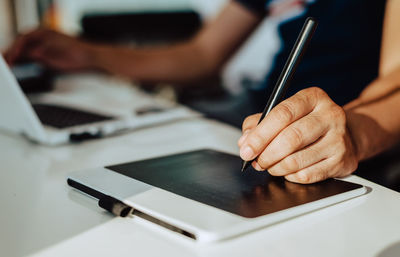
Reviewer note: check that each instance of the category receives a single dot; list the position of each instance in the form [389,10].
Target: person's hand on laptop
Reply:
[305,139]
[53,49]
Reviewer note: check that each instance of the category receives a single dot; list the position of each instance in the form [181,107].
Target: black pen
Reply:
[291,64]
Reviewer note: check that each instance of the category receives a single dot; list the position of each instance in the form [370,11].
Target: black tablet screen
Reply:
[215,179]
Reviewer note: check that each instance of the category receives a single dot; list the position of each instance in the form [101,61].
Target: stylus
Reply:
[286,75]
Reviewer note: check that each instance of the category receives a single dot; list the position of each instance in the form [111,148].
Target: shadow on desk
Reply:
[392,250]
[383,169]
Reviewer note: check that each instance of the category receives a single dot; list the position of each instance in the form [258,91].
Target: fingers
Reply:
[251,122]
[243,137]
[330,156]
[39,54]
[13,53]
[317,172]
[295,137]
[299,160]
[22,44]
[305,139]
[248,124]
[278,119]
[16,49]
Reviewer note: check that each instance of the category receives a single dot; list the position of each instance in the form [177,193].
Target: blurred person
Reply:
[348,38]
[307,137]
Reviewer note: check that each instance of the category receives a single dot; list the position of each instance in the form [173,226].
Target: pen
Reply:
[286,75]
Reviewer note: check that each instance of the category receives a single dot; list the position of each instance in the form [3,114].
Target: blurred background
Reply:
[140,22]
[155,22]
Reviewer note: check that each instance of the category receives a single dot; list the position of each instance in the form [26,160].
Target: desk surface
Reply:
[42,216]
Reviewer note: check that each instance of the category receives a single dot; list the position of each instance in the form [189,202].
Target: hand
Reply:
[53,49]
[304,138]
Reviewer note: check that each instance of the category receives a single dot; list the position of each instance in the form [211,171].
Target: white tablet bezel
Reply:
[202,222]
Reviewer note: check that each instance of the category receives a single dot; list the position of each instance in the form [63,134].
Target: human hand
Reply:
[53,49]
[304,138]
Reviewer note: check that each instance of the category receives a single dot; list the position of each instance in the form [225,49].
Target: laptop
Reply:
[59,122]
[202,195]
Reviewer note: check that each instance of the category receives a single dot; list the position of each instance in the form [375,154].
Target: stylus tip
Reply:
[244,166]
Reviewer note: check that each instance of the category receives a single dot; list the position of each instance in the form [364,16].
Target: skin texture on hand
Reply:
[305,139]
[53,49]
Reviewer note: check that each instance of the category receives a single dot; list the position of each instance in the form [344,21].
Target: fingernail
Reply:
[257,167]
[246,153]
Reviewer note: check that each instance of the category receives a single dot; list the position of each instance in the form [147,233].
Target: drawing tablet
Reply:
[205,194]
[215,179]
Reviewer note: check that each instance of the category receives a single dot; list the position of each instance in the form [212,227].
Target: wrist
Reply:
[353,123]
[97,58]
[368,136]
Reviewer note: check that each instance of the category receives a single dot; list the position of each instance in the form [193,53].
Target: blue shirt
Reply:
[343,56]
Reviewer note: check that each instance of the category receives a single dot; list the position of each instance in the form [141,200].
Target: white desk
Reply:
[41,215]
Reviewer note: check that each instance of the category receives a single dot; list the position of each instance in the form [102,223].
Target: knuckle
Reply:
[309,96]
[304,178]
[294,137]
[316,176]
[278,170]
[263,162]
[339,112]
[341,133]
[319,177]
[301,97]
[315,92]
[341,150]
[255,140]
[274,171]
[284,113]
[256,166]
[291,163]
[338,124]
[250,121]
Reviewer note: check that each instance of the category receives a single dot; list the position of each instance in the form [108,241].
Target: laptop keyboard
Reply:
[64,117]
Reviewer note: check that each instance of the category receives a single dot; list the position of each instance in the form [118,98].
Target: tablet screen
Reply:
[214,178]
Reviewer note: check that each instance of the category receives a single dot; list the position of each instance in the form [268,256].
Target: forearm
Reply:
[181,63]
[374,118]
[200,57]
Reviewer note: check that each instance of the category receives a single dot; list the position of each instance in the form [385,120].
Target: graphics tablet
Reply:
[203,195]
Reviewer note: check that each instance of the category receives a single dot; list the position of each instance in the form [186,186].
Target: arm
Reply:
[308,138]
[373,118]
[202,56]
[390,54]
